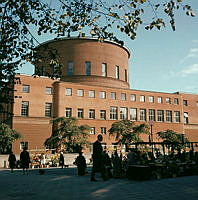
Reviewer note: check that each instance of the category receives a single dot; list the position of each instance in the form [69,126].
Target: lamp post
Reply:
[151,123]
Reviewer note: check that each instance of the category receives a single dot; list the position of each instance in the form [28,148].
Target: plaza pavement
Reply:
[64,184]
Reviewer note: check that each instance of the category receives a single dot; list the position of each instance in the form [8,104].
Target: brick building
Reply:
[94,88]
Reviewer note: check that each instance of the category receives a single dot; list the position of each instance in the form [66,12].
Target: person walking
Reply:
[61,160]
[81,164]
[97,157]
[12,161]
[25,160]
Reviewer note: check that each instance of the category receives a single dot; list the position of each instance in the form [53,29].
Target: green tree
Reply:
[172,139]
[7,137]
[68,134]
[22,22]
[126,132]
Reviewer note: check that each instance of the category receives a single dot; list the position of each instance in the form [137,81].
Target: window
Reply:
[88,68]
[68,92]
[151,115]
[70,68]
[151,99]
[185,102]
[103,114]
[91,93]
[23,144]
[102,95]
[48,90]
[68,112]
[126,75]
[80,92]
[117,74]
[80,113]
[48,109]
[92,130]
[169,116]
[123,113]
[113,95]
[143,114]
[142,98]
[103,130]
[159,99]
[104,69]
[168,100]
[160,115]
[123,96]
[133,114]
[197,103]
[26,88]
[176,101]
[91,114]
[133,97]
[186,121]
[113,113]
[177,116]
[24,108]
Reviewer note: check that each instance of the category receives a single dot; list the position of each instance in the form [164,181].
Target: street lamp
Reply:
[151,123]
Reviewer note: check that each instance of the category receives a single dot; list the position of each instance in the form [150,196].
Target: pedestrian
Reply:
[81,164]
[98,165]
[25,160]
[61,160]
[12,161]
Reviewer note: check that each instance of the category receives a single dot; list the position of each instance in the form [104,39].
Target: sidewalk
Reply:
[64,184]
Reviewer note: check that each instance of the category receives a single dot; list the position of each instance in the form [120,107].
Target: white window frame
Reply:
[68,91]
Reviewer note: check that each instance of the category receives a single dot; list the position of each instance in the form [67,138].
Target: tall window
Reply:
[117,73]
[92,130]
[70,68]
[123,113]
[186,121]
[159,99]
[91,114]
[48,109]
[88,68]
[123,96]
[80,113]
[133,97]
[104,69]
[177,116]
[143,114]
[169,116]
[91,93]
[26,88]
[113,113]
[113,95]
[48,90]
[168,100]
[176,101]
[142,98]
[160,115]
[68,112]
[126,75]
[80,92]
[102,95]
[103,130]
[133,114]
[103,114]
[68,92]
[185,102]
[151,99]
[151,115]
[24,108]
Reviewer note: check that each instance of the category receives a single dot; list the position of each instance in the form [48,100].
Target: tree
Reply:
[22,22]
[126,132]
[67,134]
[7,137]
[172,139]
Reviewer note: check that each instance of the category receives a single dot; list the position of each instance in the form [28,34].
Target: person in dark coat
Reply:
[97,157]
[61,160]
[25,160]
[81,164]
[12,161]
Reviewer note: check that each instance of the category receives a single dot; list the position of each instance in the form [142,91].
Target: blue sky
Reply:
[166,60]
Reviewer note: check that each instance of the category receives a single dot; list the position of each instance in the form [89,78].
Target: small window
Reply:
[123,113]
[70,68]
[142,98]
[68,92]
[104,69]
[68,112]
[92,130]
[123,96]
[142,114]
[113,95]
[91,114]
[48,90]
[133,114]
[196,104]
[92,93]
[23,145]
[113,113]
[26,88]
[151,115]
[102,95]
[117,74]
[151,99]
[177,116]
[48,109]
[185,102]
[176,101]
[160,115]
[103,114]
[126,75]
[80,113]
[133,97]
[80,92]
[186,120]
[168,115]
[168,100]
[25,108]
[103,130]
[159,100]
[88,68]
